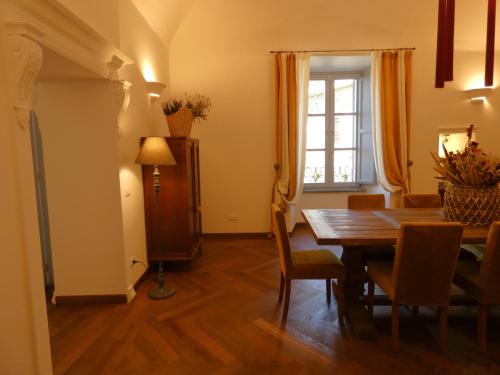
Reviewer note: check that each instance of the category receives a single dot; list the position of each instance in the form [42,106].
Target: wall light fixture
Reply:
[154,90]
[478,95]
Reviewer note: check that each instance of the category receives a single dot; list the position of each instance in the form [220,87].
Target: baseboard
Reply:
[250,235]
[87,299]
[141,279]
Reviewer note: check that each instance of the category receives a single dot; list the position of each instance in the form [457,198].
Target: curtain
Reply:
[291,95]
[391,112]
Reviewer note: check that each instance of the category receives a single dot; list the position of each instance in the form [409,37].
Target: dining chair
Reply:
[306,265]
[421,201]
[422,271]
[481,280]
[366,201]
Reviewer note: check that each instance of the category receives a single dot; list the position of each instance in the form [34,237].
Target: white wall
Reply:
[222,50]
[78,126]
[142,118]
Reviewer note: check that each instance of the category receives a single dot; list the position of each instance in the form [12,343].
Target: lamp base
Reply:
[161,292]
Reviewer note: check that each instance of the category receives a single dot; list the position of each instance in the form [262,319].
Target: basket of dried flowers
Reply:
[472,196]
[180,113]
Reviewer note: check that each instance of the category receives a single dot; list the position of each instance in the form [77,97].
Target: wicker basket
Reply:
[179,124]
[472,206]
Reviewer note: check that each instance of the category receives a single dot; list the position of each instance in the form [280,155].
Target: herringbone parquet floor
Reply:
[225,319]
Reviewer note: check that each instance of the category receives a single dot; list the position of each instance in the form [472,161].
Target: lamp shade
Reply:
[155,151]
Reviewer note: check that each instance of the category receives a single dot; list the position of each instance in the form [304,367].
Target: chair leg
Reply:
[339,295]
[395,326]
[482,327]
[328,291]
[282,287]
[288,286]
[371,296]
[443,326]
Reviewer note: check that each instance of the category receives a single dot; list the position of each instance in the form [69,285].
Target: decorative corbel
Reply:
[114,65]
[25,60]
[122,100]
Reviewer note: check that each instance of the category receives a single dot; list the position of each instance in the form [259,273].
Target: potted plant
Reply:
[181,113]
[471,196]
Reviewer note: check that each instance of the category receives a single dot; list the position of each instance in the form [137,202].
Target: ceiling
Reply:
[165,17]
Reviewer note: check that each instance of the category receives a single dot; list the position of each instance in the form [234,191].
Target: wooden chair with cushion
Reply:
[366,202]
[306,265]
[481,280]
[422,272]
[421,201]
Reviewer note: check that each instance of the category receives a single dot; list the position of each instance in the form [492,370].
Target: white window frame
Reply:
[329,184]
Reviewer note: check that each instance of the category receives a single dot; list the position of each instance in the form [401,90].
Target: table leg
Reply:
[359,320]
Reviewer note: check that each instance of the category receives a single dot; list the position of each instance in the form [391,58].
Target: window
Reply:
[338,133]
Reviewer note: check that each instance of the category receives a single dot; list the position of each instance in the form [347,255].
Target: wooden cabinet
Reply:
[179,204]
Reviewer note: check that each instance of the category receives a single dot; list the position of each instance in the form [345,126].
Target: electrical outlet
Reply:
[232,217]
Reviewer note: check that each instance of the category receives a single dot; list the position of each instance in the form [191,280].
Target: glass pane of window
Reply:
[343,166]
[317,95]
[315,167]
[345,95]
[345,127]
[316,132]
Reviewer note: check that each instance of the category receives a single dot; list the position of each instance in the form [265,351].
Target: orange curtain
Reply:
[285,185]
[395,121]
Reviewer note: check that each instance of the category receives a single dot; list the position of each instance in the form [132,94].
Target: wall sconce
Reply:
[478,95]
[154,90]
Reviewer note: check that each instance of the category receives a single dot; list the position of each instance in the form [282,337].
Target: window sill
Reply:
[330,189]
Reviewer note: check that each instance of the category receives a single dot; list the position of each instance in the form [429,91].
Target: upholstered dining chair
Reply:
[481,280]
[366,201]
[421,201]
[422,272]
[306,264]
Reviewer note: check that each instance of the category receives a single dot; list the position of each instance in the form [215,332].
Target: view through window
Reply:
[333,118]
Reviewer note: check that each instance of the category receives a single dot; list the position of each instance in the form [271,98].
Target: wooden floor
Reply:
[225,319]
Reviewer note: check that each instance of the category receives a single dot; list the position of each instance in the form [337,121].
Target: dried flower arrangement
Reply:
[470,167]
[199,105]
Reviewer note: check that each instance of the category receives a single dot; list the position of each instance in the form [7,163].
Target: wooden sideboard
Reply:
[179,202]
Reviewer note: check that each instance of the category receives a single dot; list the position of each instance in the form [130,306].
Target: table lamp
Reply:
[155,151]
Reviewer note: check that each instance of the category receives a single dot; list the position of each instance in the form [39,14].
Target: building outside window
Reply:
[339,143]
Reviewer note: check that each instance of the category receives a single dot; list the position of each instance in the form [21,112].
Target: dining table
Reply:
[361,232]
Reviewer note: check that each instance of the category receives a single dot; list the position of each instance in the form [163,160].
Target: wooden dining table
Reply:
[361,232]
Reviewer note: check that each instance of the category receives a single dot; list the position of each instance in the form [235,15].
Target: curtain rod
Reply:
[346,50]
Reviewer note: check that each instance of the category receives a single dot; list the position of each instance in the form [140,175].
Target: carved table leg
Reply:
[359,319]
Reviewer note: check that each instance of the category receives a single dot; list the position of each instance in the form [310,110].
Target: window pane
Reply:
[345,127]
[315,167]
[317,97]
[344,95]
[316,132]
[343,166]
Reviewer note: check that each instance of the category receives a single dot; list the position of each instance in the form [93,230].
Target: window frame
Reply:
[329,113]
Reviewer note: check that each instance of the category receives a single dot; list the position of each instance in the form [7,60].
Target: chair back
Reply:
[421,201]
[425,261]
[489,275]
[282,240]
[366,201]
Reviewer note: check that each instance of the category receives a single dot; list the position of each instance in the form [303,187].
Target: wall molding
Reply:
[25,56]
[65,34]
